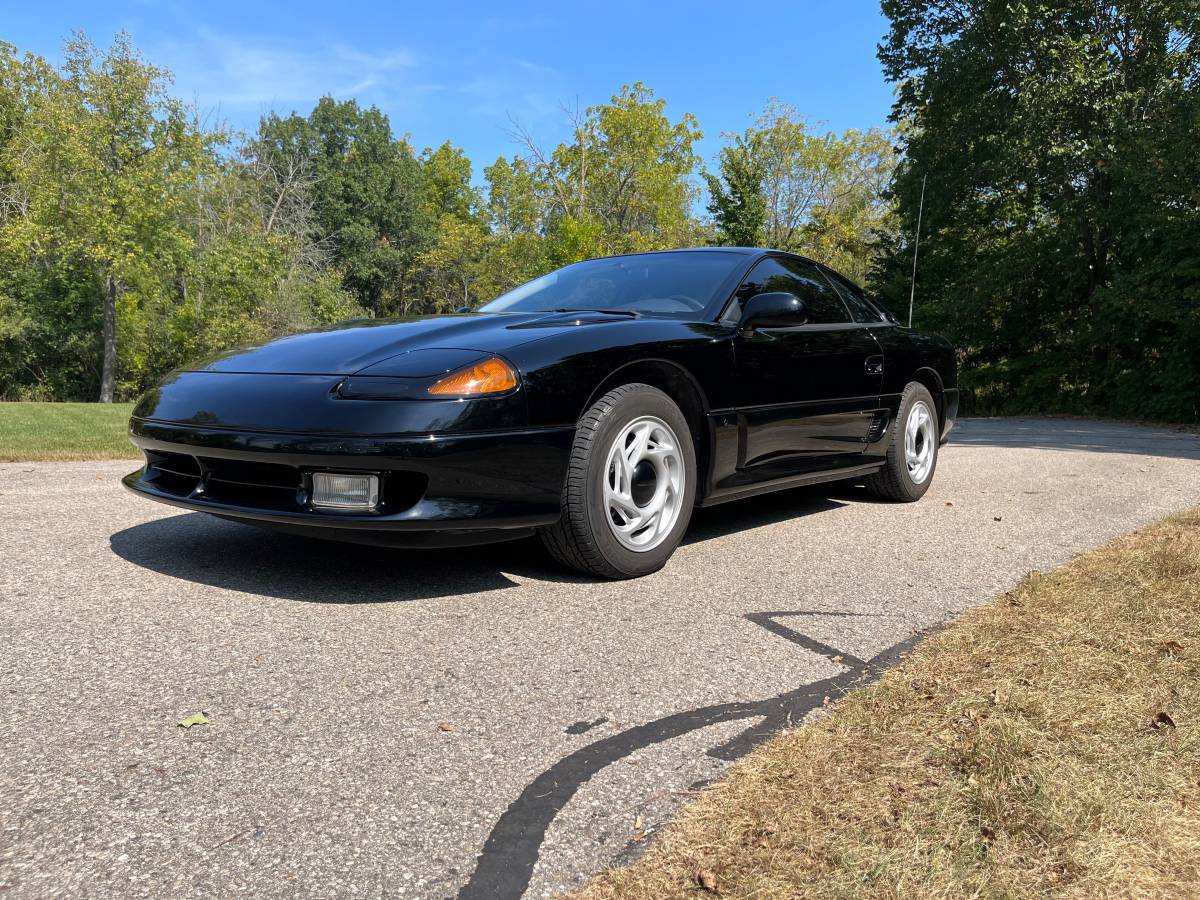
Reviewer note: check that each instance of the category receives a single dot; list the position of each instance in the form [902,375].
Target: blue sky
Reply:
[461,70]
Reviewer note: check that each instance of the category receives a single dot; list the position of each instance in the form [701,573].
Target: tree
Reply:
[454,264]
[1052,136]
[514,203]
[258,270]
[737,201]
[448,188]
[368,194]
[517,249]
[104,159]
[132,240]
[624,182]
[782,185]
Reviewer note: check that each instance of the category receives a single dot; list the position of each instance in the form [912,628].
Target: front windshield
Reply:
[677,285]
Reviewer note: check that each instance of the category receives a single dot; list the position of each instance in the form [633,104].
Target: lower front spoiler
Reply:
[472,488]
[407,540]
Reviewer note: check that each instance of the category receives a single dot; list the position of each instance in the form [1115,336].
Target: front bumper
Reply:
[436,489]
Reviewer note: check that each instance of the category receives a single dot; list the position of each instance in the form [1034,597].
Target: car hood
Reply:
[395,346]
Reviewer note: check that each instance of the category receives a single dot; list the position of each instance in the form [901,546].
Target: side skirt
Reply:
[779,484]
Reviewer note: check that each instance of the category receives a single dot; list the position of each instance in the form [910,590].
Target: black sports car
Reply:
[596,405]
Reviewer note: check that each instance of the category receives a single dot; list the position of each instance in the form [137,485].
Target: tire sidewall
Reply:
[915,393]
[642,401]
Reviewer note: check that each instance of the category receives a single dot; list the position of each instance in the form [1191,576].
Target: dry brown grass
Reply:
[1024,751]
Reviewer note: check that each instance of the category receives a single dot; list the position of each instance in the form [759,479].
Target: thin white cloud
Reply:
[503,96]
[534,67]
[230,73]
[235,79]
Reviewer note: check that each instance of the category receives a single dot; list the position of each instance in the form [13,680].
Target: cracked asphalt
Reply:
[380,718]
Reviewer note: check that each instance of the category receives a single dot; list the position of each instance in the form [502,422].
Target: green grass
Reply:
[41,431]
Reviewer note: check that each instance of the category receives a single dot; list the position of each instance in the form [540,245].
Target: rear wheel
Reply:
[630,486]
[912,456]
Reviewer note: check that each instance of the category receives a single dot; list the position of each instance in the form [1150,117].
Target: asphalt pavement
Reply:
[473,722]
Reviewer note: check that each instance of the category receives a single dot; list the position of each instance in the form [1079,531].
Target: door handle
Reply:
[873,365]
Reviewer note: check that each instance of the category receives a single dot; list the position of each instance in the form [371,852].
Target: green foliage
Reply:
[738,203]
[1061,224]
[626,180]
[368,194]
[448,188]
[111,194]
[133,241]
[1059,244]
[782,185]
[514,202]
[102,163]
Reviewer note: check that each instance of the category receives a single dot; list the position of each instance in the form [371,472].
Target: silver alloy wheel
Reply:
[919,442]
[643,483]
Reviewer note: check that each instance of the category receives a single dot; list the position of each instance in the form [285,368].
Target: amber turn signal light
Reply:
[488,377]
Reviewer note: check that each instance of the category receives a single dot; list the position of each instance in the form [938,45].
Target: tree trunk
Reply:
[108,373]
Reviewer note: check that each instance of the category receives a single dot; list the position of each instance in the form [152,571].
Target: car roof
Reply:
[745,251]
[740,251]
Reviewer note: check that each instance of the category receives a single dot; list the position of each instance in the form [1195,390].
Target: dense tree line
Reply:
[1060,227]
[134,239]
[1062,217]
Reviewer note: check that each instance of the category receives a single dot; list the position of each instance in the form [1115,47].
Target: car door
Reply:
[808,394]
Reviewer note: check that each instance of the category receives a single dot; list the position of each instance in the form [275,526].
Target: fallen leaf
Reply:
[707,880]
[194,719]
[837,659]
[445,726]
[1162,720]
[638,824]
[1172,647]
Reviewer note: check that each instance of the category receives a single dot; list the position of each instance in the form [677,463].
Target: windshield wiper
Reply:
[632,313]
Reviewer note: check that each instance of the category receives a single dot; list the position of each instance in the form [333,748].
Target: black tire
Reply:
[582,538]
[893,482]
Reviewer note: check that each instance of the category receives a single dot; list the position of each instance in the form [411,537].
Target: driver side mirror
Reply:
[777,309]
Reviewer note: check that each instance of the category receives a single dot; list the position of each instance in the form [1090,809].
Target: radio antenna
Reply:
[912,295]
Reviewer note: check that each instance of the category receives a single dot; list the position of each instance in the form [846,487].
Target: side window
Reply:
[800,278]
[860,307]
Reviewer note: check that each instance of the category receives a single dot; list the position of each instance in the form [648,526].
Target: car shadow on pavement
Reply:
[754,512]
[202,549]
[206,550]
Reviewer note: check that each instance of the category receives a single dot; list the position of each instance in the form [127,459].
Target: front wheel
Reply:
[912,456]
[630,486]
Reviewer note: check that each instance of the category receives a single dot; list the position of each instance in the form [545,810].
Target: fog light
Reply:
[336,490]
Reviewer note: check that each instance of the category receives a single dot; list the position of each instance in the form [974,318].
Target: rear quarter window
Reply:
[862,309]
